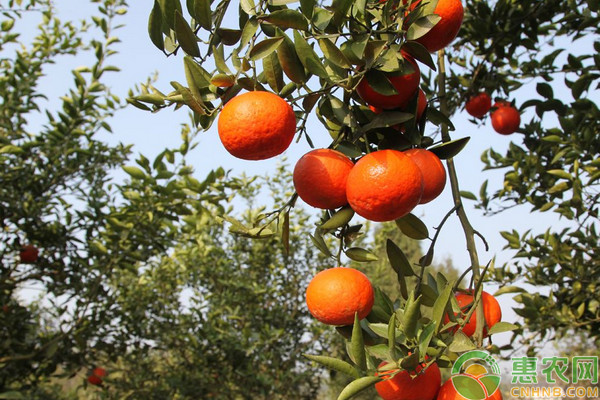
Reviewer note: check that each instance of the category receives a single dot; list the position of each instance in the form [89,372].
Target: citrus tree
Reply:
[135,278]
[357,67]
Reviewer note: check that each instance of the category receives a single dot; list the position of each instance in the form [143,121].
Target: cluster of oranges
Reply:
[381,185]
[505,117]
[335,295]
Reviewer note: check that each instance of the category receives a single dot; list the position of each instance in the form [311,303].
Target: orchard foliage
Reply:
[552,165]
[134,275]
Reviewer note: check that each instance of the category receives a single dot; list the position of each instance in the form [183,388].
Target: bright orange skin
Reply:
[491,311]
[447,392]
[320,178]
[505,119]
[384,185]
[334,295]
[29,254]
[403,387]
[99,372]
[94,380]
[444,32]
[479,104]
[433,171]
[406,86]
[256,125]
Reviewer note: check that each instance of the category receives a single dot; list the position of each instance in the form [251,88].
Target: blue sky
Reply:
[150,133]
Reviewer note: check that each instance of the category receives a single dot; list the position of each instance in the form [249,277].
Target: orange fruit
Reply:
[94,380]
[479,104]
[448,392]
[334,295]
[403,386]
[505,119]
[491,311]
[444,32]
[433,171]
[256,125]
[99,372]
[28,254]
[320,178]
[384,185]
[406,84]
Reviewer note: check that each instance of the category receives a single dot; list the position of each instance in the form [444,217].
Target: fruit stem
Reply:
[460,211]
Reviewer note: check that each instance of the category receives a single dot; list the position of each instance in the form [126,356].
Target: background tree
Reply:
[135,276]
[551,163]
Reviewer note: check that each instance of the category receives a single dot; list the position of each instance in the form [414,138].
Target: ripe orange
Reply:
[444,32]
[99,372]
[256,125]
[403,386]
[433,171]
[448,392]
[94,380]
[479,104]
[29,254]
[405,84]
[506,118]
[335,294]
[491,311]
[320,178]
[384,185]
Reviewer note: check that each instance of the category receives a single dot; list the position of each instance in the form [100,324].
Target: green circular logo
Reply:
[476,375]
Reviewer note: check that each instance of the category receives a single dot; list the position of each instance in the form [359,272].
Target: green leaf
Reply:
[339,219]
[412,313]
[449,149]
[440,306]
[11,149]
[307,7]
[11,395]
[248,32]
[468,195]
[438,118]
[333,54]
[290,62]
[357,386]
[196,76]
[420,53]
[421,26]
[155,26]
[380,83]
[265,47]
[426,335]
[185,36]
[461,343]
[412,227]
[335,364]
[398,260]
[340,10]
[248,6]
[391,336]
[382,309]
[308,57]
[360,255]
[560,173]
[387,119]
[509,289]
[357,345]
[287,18]
[318,241]
[545,90]
[500,327]
[134,172]
[349,149]
[273,72]
[202,13]
[559,187]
